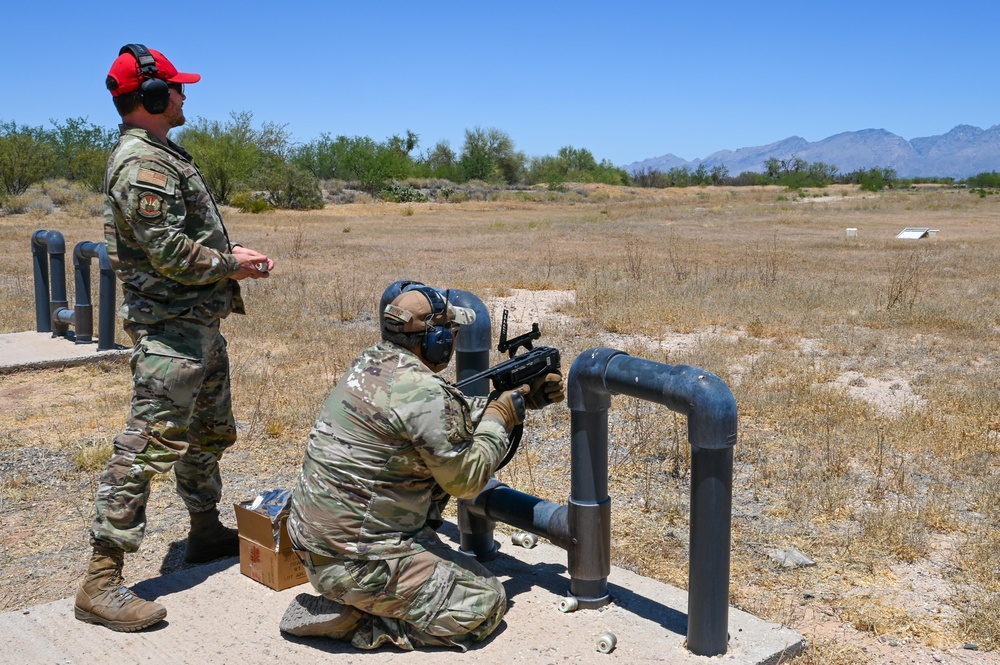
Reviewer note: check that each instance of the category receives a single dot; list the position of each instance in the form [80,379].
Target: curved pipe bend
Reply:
[53,241]
[87,250]
[699,394]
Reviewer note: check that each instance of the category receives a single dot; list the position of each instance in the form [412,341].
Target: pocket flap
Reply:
[170,348]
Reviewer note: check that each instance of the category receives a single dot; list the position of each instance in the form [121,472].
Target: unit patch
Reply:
[151,178]
[150,205]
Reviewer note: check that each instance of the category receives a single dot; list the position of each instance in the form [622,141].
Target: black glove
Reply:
[545,390]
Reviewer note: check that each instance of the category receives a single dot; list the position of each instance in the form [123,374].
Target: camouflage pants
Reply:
[432,598]
[181,418]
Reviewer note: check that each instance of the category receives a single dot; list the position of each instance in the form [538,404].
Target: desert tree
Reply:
[230,153]
[489,155]
[26,157]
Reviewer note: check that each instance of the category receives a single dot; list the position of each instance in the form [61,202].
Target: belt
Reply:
[313,559]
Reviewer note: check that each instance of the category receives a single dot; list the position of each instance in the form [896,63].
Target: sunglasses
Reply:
[179,87]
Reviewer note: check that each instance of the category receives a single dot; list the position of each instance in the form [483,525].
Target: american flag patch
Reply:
[151,178]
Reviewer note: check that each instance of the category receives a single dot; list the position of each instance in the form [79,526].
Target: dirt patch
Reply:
[890,395]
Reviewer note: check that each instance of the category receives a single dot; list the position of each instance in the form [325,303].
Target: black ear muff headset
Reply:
[438,341]
[153,91]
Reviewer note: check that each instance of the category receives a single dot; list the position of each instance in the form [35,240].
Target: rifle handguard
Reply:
[517,371]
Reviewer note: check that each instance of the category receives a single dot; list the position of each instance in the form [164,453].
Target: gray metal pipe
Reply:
[83,309]
[500,503]
[44,244]
[589,556]
[710,536]
[63,317]
[712,431]
[472,347]
[472,356]
[59,300]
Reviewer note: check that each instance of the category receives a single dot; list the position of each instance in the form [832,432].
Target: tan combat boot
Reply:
[104,599]
[315,616]
[209,539]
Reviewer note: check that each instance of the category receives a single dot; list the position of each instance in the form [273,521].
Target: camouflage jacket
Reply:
[391,434]
[165,235]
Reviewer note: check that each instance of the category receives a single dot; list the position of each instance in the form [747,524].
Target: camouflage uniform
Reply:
[169,248]
[391,440]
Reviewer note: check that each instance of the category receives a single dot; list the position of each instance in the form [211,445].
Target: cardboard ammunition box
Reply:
[270,562]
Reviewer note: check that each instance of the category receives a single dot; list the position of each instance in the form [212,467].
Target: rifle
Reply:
[517,370]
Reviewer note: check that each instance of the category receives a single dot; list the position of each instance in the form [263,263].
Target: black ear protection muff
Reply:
[438,341]
[153,91]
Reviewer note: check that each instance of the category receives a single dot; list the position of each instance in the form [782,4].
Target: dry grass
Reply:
[762,288]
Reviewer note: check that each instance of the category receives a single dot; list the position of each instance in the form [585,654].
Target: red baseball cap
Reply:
[126,72]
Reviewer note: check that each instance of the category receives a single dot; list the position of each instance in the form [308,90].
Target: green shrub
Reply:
[33,203]
[74,197]
[230,153]
[62,191]
[247,201]
[87,167]
[396,193]
[290,186]
[24,161]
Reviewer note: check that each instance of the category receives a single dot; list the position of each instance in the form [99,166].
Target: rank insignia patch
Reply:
[150,205]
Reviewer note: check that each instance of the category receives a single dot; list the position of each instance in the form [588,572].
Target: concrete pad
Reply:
[35,350]
[216,615]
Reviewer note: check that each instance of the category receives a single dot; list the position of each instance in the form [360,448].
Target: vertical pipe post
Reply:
[109,301]
[57,270]
[83,310]
[589,504]
[472,356]
[40,262]
[589,514]
[708,573]
[472,347]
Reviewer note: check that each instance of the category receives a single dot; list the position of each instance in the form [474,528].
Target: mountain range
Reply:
[964,151]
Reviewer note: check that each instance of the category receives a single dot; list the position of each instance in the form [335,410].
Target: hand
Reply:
[546,390]
[253,264]
[508,408]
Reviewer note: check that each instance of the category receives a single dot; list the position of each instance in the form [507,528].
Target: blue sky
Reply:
[627,81]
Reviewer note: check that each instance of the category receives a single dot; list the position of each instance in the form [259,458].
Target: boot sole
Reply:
[314,616]
[119,626]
